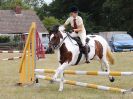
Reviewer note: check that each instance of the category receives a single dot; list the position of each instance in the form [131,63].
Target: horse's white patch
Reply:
[52,35]
[61,28]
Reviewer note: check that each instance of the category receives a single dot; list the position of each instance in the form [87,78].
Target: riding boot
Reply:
[86,49]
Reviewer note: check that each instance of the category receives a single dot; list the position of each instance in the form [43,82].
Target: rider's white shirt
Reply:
[79,22]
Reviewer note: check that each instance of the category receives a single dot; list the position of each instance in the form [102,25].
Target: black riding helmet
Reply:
[74,9]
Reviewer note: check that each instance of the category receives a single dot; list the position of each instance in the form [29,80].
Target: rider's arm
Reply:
[67,22]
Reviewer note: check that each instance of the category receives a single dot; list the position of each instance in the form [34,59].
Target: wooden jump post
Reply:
[33,49]
[28,61]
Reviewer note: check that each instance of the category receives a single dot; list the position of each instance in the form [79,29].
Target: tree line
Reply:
[98,15]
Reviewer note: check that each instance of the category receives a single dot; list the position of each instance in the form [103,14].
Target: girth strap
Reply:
[79,58]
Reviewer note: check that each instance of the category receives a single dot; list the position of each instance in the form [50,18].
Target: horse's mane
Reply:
[57,28]
[54,28]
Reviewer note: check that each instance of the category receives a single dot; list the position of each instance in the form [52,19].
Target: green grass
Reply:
[9,76]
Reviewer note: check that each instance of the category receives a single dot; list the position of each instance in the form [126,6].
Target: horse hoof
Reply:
[60,90]
[51,81]
[87,62]
[112,79]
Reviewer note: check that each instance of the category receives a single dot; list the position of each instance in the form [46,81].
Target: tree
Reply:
[11,4]
[118,15]
[90,11]
[50,21]
[43,11]
[98,15]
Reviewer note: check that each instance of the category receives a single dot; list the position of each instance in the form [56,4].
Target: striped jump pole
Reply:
[11,51]
[96,73]
[12,58]
[87,85]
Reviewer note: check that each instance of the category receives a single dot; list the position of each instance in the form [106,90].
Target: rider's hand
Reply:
[75,30]
[71,31]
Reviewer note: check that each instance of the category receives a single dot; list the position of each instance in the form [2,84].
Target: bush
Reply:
[4,39]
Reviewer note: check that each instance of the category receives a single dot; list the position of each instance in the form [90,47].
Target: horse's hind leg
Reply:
[103,66]
[106,64]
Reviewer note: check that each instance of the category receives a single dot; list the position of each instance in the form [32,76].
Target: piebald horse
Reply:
[69,51]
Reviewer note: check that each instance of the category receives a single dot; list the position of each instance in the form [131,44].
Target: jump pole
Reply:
[96,73]
[12,58]
[11,51]
[87,85]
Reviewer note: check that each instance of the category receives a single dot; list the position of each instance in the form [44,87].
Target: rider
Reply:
[78,28]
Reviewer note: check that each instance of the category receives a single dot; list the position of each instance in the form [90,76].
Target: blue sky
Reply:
[48,1]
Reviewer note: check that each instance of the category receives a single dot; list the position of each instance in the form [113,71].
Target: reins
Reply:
[70,37]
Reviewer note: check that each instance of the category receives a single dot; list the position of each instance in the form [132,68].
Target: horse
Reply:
[69,51]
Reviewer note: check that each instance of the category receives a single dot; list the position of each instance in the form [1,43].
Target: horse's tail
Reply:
[109,56]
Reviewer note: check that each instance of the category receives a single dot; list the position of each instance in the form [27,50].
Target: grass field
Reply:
[9,77]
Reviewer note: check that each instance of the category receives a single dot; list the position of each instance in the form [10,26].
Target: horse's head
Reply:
[55,36]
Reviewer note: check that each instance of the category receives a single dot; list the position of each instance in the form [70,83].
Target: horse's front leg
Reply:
[59,70]
[61,81]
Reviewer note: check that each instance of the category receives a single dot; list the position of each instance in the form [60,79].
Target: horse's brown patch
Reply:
[56,38]
[60,35]
[98,49]
[65,55]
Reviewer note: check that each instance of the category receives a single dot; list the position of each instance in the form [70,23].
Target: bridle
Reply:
[70,37]
[59,45]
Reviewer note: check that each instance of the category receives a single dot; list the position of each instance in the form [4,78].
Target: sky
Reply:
[48,1]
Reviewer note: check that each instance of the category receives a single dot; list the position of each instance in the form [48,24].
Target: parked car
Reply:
[46,45]
[121,42]
[45,42]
